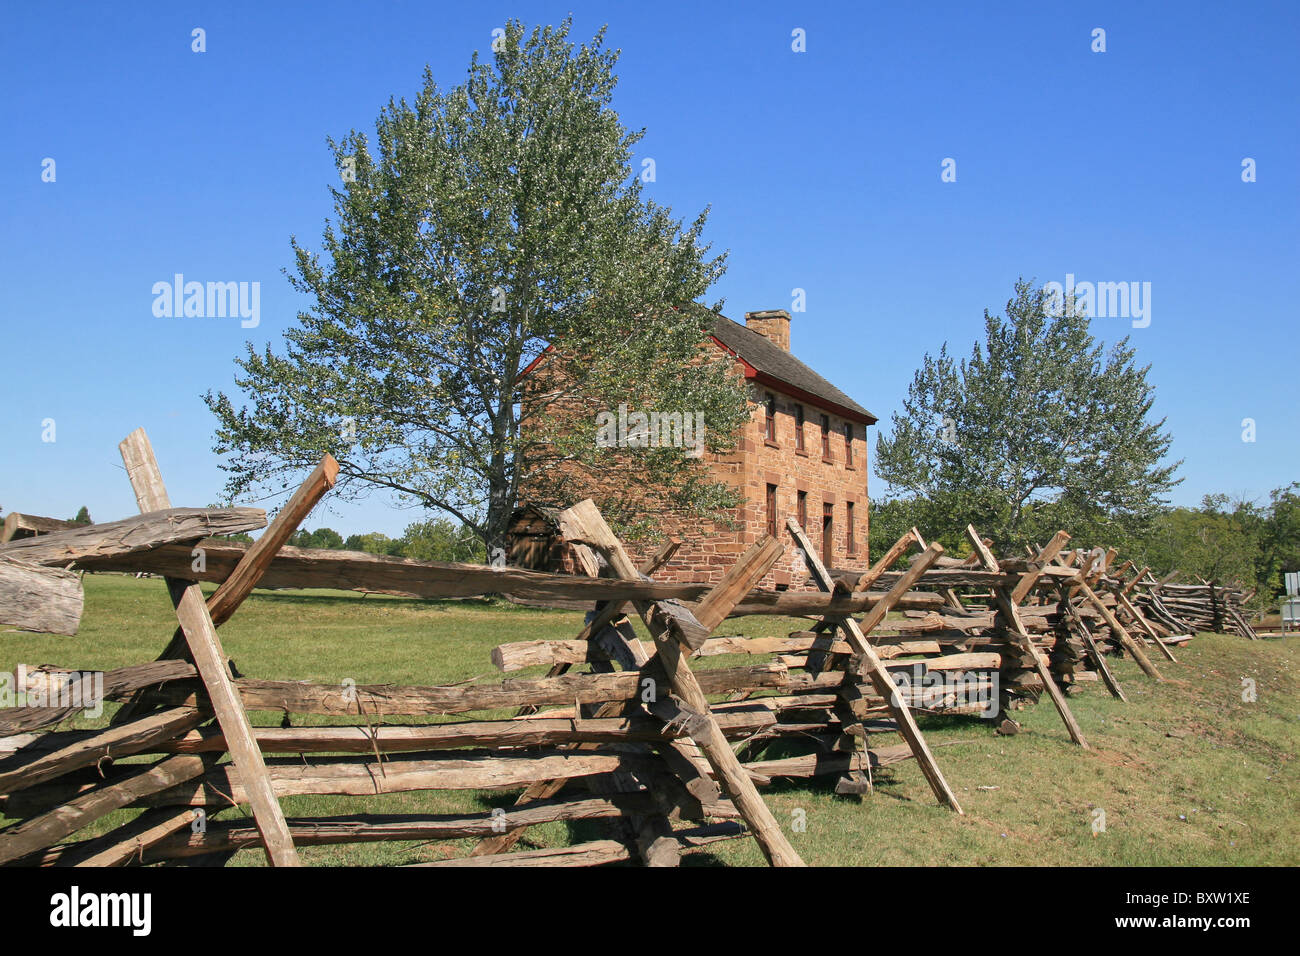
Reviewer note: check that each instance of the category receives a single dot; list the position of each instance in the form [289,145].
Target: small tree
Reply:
[487,222]
[83,516]
[1039,429]
[326,538]
[441,540]
[373,543]
[1280,539]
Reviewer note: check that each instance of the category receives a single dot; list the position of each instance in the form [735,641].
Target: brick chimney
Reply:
[773,325]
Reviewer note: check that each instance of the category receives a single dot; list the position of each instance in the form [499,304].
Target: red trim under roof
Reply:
[533,364]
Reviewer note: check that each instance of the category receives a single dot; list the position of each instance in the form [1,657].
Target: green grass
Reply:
[1186,772]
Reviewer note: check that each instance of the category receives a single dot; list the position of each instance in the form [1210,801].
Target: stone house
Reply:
[803,453]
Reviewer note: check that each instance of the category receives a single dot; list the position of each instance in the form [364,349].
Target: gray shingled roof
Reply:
[775,361]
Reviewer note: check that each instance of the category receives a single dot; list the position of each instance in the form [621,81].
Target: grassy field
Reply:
[1187,773]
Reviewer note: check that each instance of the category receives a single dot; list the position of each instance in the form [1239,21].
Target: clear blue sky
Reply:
[822,168]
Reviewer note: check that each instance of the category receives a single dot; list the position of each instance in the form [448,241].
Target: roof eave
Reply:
[763,378]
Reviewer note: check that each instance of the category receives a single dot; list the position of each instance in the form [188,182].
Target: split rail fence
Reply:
[621,729]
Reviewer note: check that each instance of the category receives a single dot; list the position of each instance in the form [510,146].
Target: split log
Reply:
[357,571]
[248,572]
[36,598]
[363,776]
[24,526]
[594,853]
[896,551]
[137,737]
[820,764]
[226,836]
[494,734]
[1143,624]
[1118,629]
[390,700]
[117,539]
[130,842]
[31,836]
[117,683]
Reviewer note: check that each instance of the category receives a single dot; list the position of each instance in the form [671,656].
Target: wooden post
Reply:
[1140,620]
[1128,588]
[232,592]
[653,831]
[1103,669]
[1113,623]
[1064,592]
[895,552]
[251,566]
[606,629]
[871,666]
[1045,556]
[210,660]
[669,623]
[1007,607]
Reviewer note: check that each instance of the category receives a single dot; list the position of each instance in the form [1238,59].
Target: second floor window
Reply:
[848,444]
[826,437]
[771,417]
[803,510]
[771,510]
[798,428]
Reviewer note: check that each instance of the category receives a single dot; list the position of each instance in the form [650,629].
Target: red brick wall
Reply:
[707,552]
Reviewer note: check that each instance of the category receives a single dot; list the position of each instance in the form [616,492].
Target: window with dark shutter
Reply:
[771,510]
[803,510]
[798,428]
[826,437]
[848,444]
[828,535]
[850,544]
[771,417]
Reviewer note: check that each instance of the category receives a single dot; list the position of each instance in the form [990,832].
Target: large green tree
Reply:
[485,223]
[1040,428]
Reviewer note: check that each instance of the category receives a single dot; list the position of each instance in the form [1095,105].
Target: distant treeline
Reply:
[434,540]
[1245,543]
